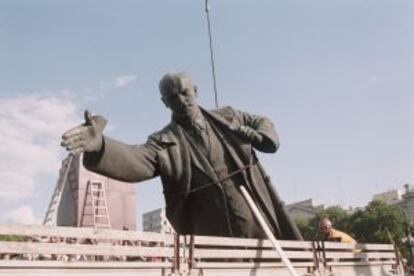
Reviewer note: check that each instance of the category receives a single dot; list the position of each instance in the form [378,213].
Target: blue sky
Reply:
[336,78]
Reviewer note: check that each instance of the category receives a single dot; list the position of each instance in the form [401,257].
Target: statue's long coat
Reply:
[167,154]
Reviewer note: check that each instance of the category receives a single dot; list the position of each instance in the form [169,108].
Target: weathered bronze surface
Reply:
[201,156]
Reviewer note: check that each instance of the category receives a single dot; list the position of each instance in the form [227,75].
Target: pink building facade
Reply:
[75,208]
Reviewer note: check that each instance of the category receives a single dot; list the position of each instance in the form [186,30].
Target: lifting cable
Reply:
[210,39]
[258,215]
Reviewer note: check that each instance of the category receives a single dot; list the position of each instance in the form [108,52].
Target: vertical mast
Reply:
[210,39]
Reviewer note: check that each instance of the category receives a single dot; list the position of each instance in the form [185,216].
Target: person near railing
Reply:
[332,234]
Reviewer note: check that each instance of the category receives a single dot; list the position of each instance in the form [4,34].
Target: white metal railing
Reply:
[68,247]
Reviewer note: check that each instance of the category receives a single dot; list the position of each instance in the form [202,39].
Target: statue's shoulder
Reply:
[165,135]
[226,112]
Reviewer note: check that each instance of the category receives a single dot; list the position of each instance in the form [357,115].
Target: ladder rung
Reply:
[101,216]
[102,222]
[50,211]
[96,197]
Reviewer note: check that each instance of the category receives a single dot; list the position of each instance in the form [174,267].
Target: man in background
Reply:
[331,234]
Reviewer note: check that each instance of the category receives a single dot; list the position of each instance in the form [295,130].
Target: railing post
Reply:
[191,253]
[321,259]
[176,265]
[176,258]
[315,256]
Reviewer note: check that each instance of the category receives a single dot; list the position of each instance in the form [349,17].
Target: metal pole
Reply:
[267,230]
[210,39]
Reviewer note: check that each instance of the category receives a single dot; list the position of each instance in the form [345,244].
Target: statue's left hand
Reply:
[250,134]
[87,137]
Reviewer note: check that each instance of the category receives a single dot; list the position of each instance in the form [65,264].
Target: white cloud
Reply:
[99,93]
[371,82]
[94,95]
[21,215]
[29,144]
[124,81]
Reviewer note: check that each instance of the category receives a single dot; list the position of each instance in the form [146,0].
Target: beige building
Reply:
[389,197]
[403,199]
[407,202]
[156,221]
[303,210]
[75,208]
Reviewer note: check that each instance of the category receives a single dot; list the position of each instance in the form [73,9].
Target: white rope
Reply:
[267,230]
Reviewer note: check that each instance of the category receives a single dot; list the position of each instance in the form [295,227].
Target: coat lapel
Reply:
[229,125]
[178,155]
[188,152]
[199,158]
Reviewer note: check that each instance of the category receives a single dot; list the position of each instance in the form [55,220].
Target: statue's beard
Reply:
[189,110]
[188,114]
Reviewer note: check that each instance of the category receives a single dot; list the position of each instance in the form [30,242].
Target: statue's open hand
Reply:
[86,137]
[250,134]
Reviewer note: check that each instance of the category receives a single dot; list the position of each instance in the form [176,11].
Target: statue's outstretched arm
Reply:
[129,163]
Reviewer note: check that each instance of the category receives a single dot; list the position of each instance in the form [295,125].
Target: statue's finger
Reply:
[71,139]
[73,143]
[257,136]
[88,116]
[89,119]
[248,131]
[73,131]
[75,146]
[65,142]
[242,129]
[77,151]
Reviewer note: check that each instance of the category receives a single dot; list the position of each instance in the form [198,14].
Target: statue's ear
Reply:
[164,101]
[195,90]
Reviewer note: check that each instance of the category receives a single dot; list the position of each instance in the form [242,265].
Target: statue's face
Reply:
[182,98]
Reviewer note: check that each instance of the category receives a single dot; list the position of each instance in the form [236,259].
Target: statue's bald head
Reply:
[173,81]
[179,93]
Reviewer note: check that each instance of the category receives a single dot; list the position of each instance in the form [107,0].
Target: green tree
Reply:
[306,228]
[371,224]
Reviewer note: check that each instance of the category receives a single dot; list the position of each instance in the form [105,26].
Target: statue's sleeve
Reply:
[265,127]
[129,163]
